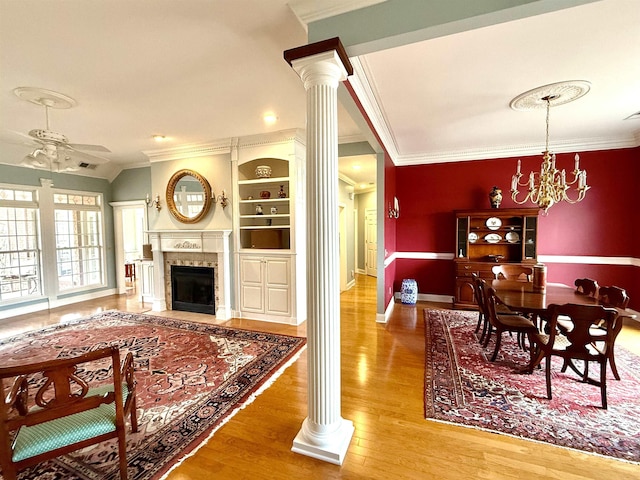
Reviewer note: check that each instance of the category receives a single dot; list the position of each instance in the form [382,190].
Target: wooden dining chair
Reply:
[62,413]
[479,293]
[587,286]
[512,272]
[612,296]
[521,326]
[578,343]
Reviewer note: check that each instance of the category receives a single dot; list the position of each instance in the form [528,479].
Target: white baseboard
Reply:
[48,304]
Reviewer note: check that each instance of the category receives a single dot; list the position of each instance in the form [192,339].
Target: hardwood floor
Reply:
[382,384]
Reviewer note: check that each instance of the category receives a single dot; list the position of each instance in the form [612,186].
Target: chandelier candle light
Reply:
[550,185]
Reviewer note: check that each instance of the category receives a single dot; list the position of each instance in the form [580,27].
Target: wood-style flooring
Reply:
[382,393]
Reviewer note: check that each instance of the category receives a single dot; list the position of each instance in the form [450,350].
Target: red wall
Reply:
[605,224]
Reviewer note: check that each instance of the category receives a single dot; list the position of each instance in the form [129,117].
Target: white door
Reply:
[343,247]
[371,242]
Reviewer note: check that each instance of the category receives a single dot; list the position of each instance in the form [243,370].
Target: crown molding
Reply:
[573,146]
[189,151]
[309,11]
[366,94]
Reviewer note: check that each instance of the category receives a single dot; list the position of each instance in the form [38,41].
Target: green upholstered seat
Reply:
[54,434]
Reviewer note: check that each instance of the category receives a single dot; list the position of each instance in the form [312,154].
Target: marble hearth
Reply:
[198,248]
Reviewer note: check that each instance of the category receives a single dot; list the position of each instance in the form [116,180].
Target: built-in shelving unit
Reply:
[270,250]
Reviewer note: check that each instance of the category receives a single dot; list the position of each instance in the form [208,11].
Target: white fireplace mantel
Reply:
[192,241]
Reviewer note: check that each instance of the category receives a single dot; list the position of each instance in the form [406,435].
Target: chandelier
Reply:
[550,185]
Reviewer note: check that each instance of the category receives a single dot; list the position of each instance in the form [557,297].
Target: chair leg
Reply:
[548,376]
[134,416]
[612,363]
[603,383]
[479,322]
[495,350]
[122,453]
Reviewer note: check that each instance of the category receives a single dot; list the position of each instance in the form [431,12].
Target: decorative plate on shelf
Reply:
[512,237]
[492,238]
[473,237]
[493,223]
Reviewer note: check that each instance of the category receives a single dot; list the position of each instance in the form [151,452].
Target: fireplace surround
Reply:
[193,248]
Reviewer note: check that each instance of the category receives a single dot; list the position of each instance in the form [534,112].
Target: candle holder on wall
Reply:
[223,199]
[394,212]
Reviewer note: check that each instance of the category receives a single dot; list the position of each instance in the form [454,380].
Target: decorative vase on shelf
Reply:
[495,197]
[281,193]
[274,210]
[263,171]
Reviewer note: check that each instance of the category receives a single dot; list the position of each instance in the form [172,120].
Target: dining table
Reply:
[521,296]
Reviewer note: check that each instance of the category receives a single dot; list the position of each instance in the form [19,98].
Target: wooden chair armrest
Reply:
[18,395]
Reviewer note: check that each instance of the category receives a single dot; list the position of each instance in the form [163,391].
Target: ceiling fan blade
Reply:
[83,157]
[91,148]
[17,138]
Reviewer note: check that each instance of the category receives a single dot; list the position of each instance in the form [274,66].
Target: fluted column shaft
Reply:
[324,433]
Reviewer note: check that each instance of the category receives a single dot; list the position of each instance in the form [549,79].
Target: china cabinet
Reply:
[485,238]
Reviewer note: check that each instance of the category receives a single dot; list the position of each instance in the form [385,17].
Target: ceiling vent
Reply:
[88,166]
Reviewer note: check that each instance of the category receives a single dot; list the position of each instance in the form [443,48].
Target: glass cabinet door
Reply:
[463,225]
[530,230]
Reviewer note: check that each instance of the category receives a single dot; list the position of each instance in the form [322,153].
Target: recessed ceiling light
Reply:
[159,138]
[270,118]
[363,185]
[356,167]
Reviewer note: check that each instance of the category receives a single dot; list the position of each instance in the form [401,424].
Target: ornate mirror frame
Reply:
[171,186]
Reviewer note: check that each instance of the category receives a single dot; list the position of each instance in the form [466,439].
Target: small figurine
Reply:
[281,193]
[259,210]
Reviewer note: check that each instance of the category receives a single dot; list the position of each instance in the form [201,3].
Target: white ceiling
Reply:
[199,71]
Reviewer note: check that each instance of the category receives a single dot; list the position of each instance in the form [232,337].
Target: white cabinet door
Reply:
[278,285]
[265,285]
[252,284]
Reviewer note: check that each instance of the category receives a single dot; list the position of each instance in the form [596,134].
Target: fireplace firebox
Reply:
[192,289]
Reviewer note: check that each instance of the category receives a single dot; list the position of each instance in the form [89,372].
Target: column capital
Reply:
[318,51]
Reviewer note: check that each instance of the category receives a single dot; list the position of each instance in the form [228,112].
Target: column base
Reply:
[334,448]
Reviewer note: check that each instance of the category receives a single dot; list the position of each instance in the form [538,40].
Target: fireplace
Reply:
[192,249]
[192,289]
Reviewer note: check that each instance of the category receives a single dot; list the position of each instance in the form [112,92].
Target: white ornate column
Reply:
[324,434]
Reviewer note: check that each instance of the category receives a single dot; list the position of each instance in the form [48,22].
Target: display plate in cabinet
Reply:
[493,223]
[473,237]
[512,237]
[492,238]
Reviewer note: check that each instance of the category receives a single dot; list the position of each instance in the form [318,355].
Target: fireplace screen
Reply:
[192,289]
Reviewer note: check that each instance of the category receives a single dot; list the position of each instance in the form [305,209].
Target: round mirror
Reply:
[188,196]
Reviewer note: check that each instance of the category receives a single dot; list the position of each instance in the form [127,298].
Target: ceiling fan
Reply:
[53,149]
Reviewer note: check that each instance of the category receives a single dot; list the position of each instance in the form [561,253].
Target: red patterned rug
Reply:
[191,378]
[462,386]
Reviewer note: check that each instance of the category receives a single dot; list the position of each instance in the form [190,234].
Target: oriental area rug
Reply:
[463,387]
[191,378]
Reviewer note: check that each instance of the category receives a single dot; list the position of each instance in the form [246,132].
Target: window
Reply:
[20,272]
[79,242]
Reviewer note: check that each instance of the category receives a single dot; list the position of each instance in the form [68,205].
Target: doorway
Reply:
[130,223]
[371,242]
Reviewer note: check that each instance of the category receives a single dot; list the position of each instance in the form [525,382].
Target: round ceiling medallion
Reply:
[556,93]
[45,98]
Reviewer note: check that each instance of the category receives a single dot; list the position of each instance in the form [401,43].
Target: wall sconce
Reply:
[223,199]
[155,202]
[395,211]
